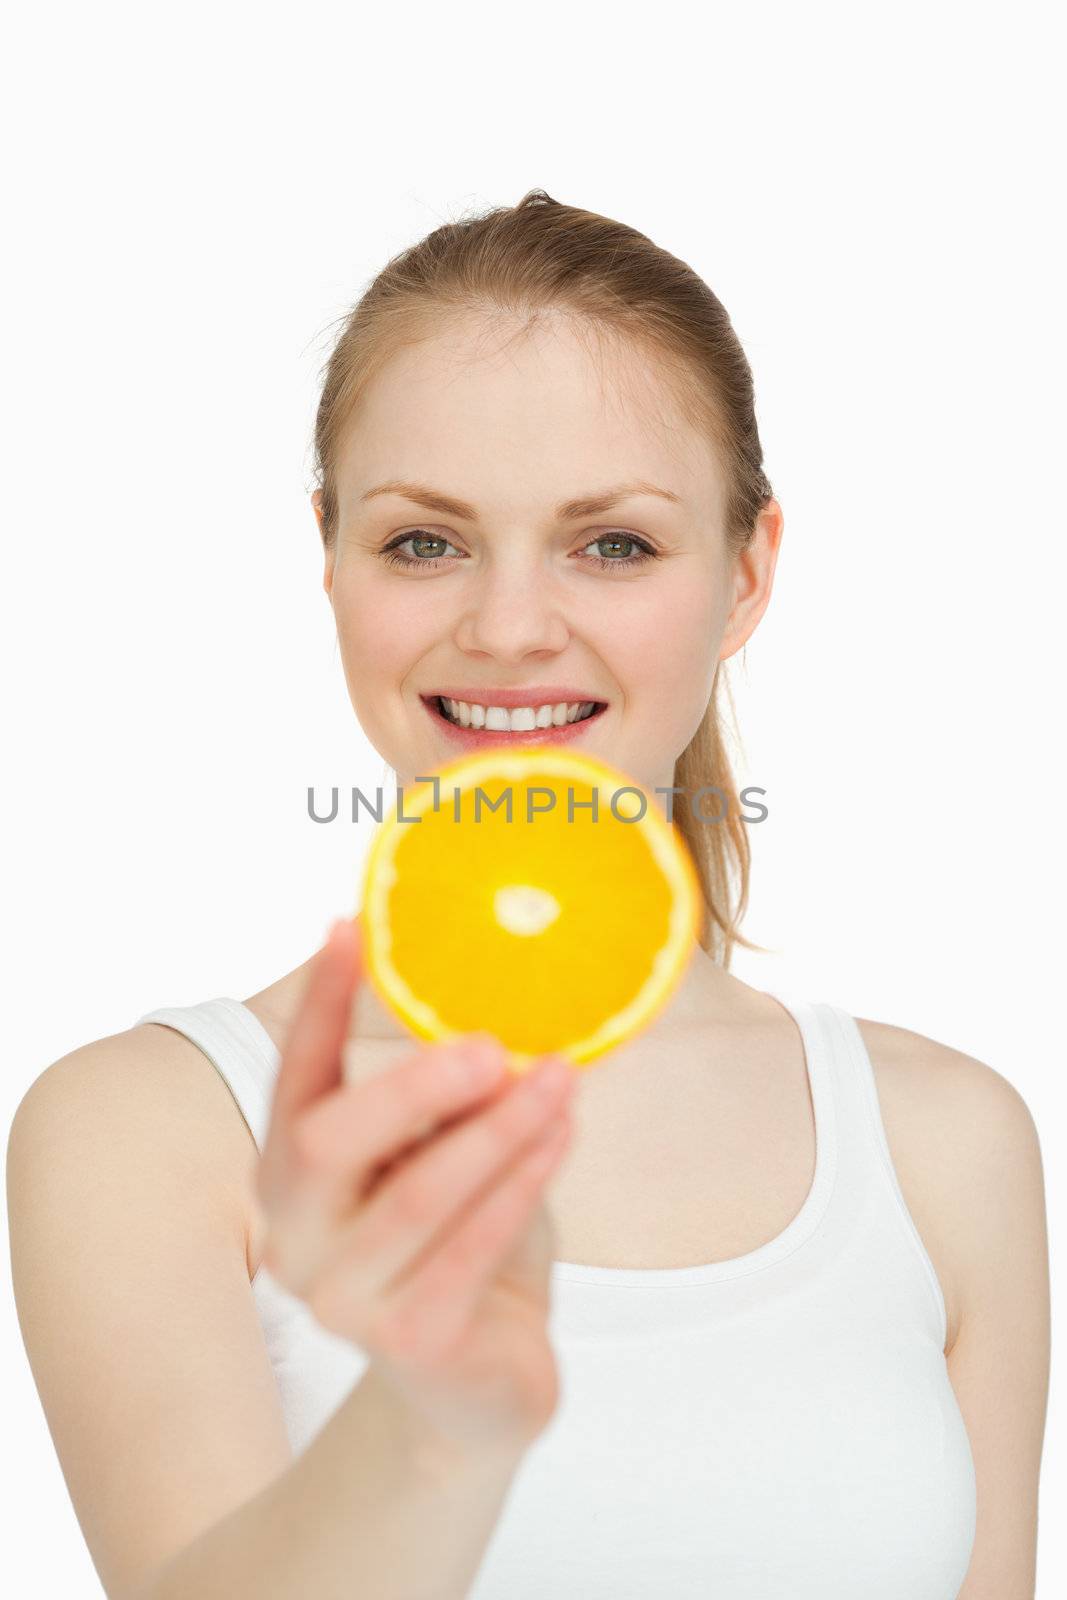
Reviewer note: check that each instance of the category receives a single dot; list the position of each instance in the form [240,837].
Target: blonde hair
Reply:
[541,258]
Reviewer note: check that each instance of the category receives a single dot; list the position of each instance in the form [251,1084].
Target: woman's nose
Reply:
[511,612]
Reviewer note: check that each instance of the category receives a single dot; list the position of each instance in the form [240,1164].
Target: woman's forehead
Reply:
[437,413]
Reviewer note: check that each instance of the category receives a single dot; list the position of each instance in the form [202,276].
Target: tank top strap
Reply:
[868,1186]
[236,1042]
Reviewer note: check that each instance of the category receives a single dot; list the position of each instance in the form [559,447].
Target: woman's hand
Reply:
[406,1211]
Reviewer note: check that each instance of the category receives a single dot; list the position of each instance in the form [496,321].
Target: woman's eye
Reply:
[628,558]
[421,556]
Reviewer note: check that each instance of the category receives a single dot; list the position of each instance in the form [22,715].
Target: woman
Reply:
[758,1306]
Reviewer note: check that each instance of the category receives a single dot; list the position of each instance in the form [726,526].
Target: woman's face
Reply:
[518,602]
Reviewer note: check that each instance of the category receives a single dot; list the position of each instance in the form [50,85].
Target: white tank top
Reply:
[780,1426]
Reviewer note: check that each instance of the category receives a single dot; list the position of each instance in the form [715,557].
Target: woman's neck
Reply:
[707,993]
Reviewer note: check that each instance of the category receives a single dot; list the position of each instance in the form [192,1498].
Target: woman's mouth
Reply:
[471,724]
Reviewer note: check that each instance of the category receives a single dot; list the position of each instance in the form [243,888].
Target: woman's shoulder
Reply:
[923,1076]
[964,1143]
[146,1097]
[133,1075]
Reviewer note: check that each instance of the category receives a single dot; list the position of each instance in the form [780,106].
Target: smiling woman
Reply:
[759,1308]
[516,568]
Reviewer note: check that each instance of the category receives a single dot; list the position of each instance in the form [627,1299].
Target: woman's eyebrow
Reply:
[587,506]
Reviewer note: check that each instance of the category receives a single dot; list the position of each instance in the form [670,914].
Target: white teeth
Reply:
[519,719]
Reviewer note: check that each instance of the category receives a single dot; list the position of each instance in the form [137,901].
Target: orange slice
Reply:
[557,929]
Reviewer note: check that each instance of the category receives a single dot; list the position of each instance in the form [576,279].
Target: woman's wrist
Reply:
[436,1458]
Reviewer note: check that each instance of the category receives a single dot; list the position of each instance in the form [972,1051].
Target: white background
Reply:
[195,194]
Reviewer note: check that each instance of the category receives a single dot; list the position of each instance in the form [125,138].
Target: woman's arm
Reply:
[129,1246]
[969,1160]
[371,1507]
[999,1364]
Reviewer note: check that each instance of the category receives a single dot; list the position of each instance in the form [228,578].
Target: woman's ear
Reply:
[753,575]
[327,576]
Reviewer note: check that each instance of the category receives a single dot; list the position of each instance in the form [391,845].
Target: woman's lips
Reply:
[479,738]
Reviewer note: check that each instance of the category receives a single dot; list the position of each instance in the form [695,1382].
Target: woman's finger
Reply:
[331,1152]
[446,1287]
[311,1062]
[367,1123]
[413,1208]
[425,1313]
[352,1137]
